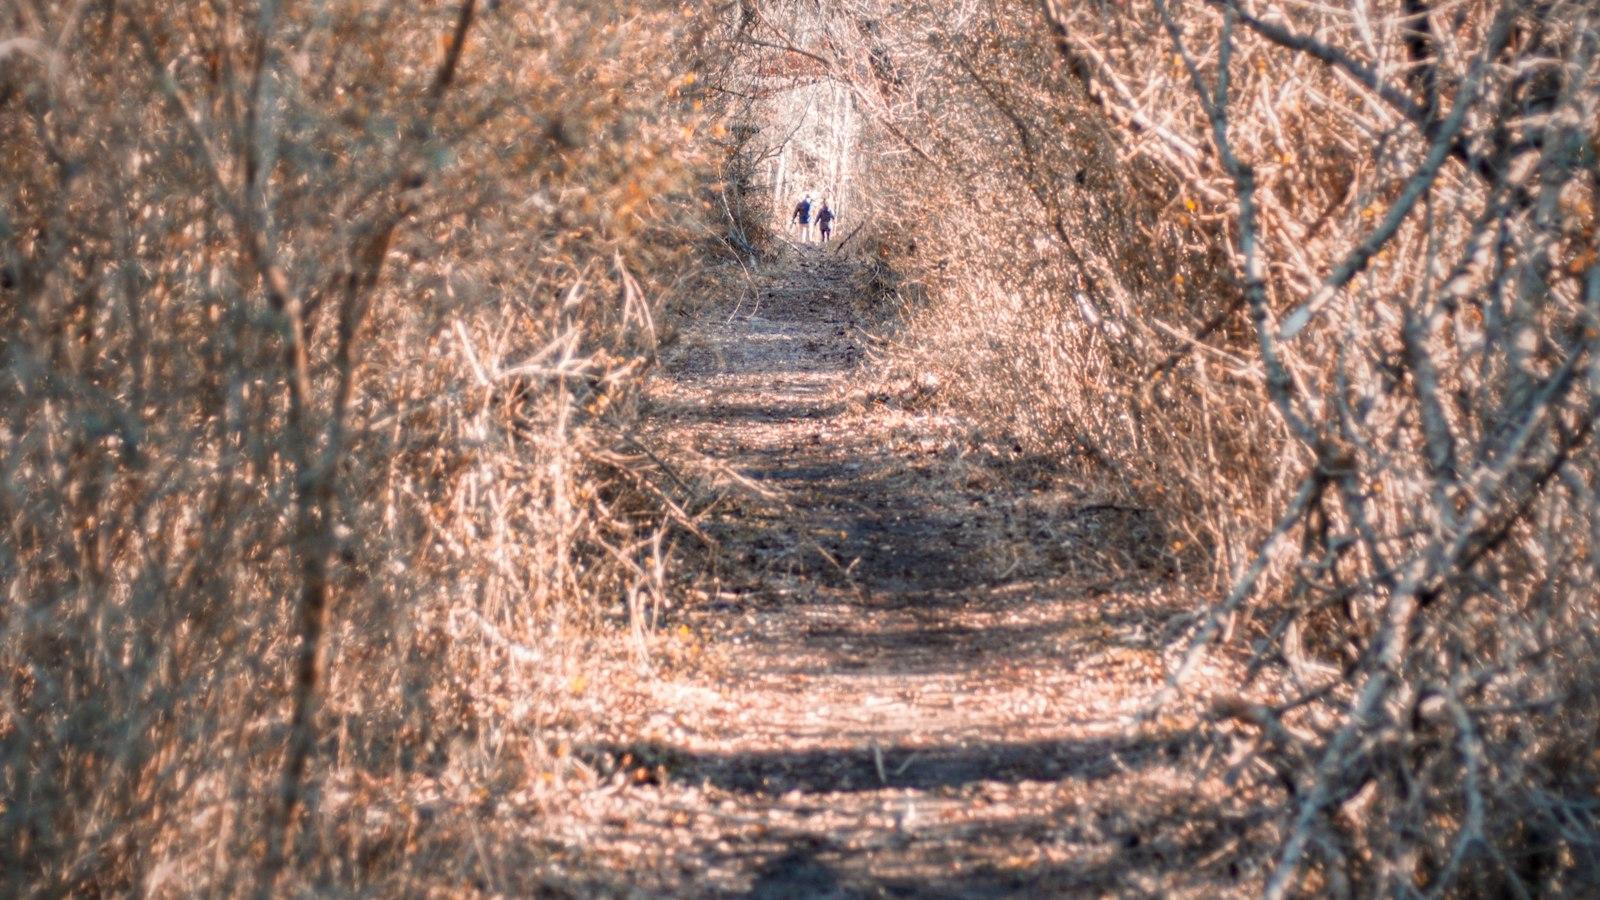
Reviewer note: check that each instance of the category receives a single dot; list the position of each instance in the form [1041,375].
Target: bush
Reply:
[1337,325]
[321,330]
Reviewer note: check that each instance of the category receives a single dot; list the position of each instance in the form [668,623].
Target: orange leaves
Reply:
[1581,261]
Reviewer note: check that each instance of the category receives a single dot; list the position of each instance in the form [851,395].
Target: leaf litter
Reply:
[911,664]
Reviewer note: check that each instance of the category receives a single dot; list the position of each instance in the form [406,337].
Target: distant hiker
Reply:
[825,220]
[802,217]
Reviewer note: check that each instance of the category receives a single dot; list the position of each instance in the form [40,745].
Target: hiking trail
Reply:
[924,652]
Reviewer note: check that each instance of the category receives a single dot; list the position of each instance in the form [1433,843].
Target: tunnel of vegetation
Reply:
[323,327]
[1321,286]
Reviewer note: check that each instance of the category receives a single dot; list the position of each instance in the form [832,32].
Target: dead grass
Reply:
[331,537]
[1329,329]
[323,333]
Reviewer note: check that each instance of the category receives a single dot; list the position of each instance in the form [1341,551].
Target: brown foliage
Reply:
[320,326]
[1320,285]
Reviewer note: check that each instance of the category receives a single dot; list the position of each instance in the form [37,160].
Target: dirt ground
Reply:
[918,661]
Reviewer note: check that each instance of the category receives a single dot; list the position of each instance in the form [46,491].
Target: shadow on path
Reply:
[921,651]
[901,766]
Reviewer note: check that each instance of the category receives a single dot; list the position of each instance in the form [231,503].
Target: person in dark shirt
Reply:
[825,219]
[802,217]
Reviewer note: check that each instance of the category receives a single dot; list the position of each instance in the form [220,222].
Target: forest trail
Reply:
[918,669]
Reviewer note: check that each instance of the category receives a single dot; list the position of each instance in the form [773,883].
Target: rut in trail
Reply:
[924,651]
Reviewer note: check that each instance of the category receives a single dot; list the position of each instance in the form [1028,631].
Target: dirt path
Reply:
[920,657]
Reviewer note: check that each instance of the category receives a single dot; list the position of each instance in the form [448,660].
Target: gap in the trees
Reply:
[808,137]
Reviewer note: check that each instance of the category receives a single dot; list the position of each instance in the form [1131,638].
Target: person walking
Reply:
[825,219]
[802,217]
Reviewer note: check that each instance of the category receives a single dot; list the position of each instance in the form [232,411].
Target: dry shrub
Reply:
[321,327]
[1337,319]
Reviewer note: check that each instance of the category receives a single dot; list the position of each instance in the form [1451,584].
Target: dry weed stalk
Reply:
[1320,283]
[321,327]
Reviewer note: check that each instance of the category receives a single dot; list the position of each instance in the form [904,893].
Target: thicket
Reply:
[1320,284]
[321,327]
